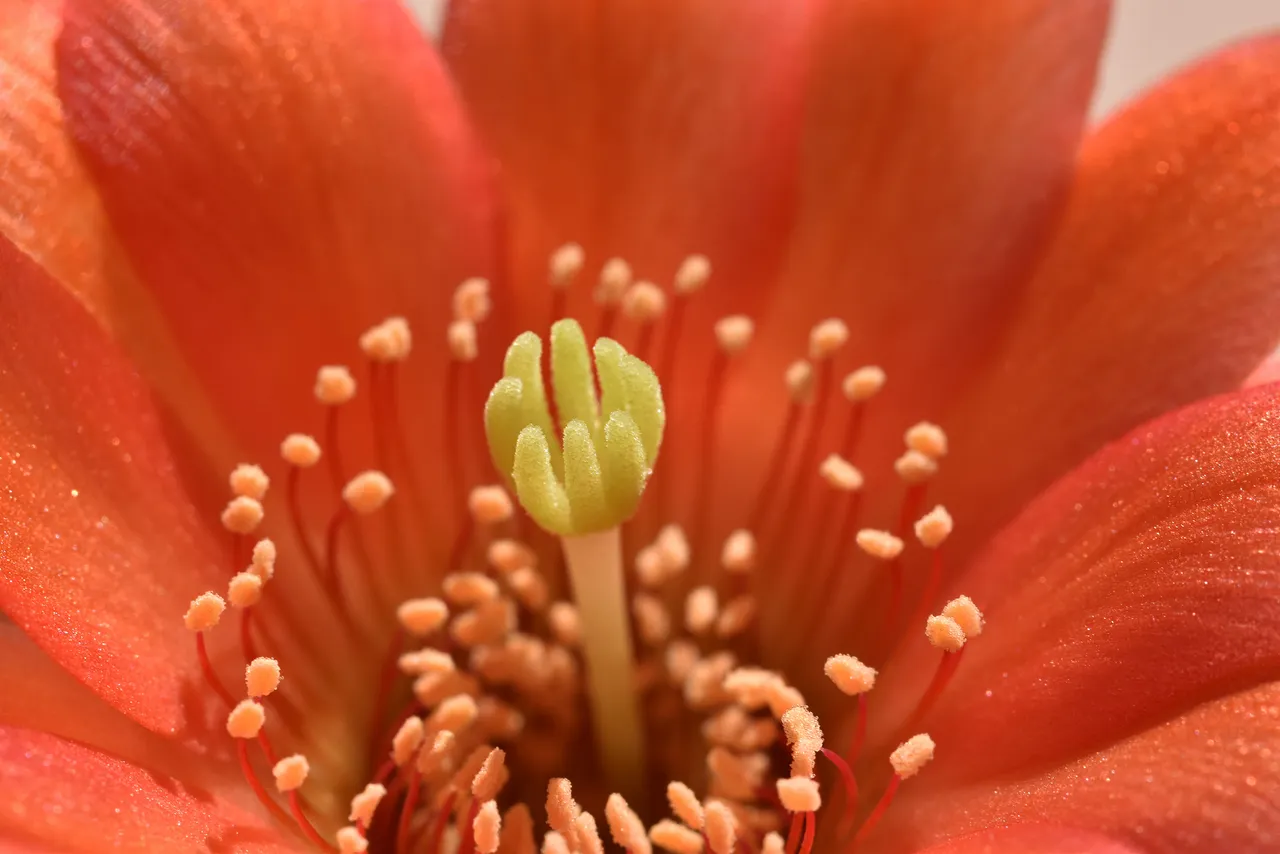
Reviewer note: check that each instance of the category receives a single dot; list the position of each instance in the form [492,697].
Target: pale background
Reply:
[1149,38]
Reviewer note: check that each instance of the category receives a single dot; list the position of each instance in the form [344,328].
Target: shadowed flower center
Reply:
[580,659]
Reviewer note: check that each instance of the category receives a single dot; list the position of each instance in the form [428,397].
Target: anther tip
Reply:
[912,755]
[334,385]
[367,492]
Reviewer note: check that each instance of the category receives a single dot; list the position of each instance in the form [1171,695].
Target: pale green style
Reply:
[594,479]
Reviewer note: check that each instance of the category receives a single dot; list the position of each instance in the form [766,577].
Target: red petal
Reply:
[939,142]
[649,130]
[1032,839]
[1198,784]
[1138,586]
[40,695]
[646,129]
[59,795]
[101,551]
[52,212]
[283,175]
[1159,290]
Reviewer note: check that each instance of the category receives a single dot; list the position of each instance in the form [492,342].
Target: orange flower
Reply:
[205,203]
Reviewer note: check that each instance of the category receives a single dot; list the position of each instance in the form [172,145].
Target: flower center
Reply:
[497,696]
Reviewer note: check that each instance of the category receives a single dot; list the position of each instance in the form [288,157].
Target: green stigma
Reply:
[593,479]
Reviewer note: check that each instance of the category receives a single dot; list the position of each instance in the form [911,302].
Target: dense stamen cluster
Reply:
[488,673]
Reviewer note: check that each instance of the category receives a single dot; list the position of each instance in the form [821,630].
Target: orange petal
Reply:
[52,212]
[649,130]
[282,175]
[58,795]
[1141,584]
[1027,839]
[645,129]
[102,550]
[939,142]
[1199,782]
[1159,290]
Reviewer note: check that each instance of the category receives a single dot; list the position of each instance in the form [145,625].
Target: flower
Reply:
[229,195]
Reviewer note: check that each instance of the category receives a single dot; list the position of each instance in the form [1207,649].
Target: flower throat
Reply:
[536,669]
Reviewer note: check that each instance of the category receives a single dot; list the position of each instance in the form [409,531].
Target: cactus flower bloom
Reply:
[962,535]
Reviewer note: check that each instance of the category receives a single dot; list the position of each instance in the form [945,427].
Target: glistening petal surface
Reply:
[1158,290]
[283,175]
[1144,583]
[1194,784]
[101,550]
[59,795]
[938,146]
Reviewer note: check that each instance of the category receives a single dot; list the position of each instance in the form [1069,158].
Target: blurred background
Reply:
[1148,38]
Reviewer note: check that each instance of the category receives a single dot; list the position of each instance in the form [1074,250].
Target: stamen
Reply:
[554,843]
[855,679]
[804,736]
[615,278]
[915,468]
[562,809]
[471,300]
[799,794]
[722,832]
[739,552]
[588,837]
[932,530]
[350,841]
[928,439]
[204,612]
[367,492]
[291,772]
[685,804]
[693,274]
[407,740]
[530,588]
[300,450]
[625,826]
[244,723]
[850,789]
[565,264]
[242,515]
[466,589]
[491,777]
[881,545]
[263,561]
[675,838]
[461,338]
[566,625]
[366,803]
[734,333]
[334,387]
[509,555]
[261,677]
[945,633]
[701,609]
[736,616]
[490,505]
[643,303]
[965,614]
[863,384]
[422,617]
[907,760]
[773,844]
[244,590]
[249,481]
[487,828]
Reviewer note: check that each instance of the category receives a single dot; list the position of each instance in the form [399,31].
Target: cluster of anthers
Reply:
[493,669]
